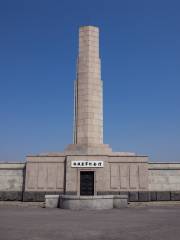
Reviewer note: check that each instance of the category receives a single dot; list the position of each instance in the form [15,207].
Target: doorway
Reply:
[86,183]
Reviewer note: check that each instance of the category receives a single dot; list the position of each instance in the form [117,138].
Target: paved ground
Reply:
[36,223]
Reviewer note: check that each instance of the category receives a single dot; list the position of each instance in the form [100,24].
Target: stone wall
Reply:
[164,176]
[11,181]
[45,174]
[128,173]
[164,182]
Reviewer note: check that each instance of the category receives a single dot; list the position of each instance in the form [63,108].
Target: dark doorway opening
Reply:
[86,183]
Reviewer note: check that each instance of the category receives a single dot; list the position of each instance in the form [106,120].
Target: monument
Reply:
[88,112]
[88,167]
[88,174]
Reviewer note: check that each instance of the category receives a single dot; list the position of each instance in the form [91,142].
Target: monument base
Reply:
[82,149]
[51,201]
[92,202]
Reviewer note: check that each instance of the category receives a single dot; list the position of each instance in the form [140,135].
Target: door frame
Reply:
[86,170]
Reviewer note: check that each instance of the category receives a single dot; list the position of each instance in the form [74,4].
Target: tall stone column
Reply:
[88,107]
[88,122]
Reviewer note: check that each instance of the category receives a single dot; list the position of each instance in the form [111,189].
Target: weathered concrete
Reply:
[51,201]
[120,201]
[11,195]
[164,177]
[86,202]
[11,176]
[163,180]
[45,173]
[11,181]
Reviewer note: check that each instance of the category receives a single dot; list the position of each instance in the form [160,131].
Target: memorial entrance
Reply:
[86,183]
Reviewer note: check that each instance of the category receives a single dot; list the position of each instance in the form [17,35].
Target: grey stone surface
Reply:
[120,201]
[34,196]
[11,176]
[51,201]
[86,202]
[164,176]
[156,223]
[37,196]
[144,196]
[44,173]
[175,196]
[133,196]
[163,196]
[20,204]
[10,196]
[71,193]
[153,196]
[108,193]
[123,193]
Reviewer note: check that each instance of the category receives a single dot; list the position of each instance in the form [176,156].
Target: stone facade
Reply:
[45,174]
[53,173]
[11,176]
[164,176]
[163,180]
[11,181]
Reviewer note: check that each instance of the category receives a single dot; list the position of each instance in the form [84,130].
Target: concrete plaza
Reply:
[36,223]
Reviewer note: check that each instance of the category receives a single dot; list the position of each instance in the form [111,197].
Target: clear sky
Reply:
[140,53]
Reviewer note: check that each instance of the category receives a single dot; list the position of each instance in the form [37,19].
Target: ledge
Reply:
[93,202]
[73,197]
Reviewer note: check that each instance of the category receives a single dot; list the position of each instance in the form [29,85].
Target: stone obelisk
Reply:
[88,120]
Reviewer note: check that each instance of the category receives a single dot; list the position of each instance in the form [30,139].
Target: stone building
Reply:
[88,167]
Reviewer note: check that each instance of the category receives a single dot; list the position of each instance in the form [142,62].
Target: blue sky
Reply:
[140,53]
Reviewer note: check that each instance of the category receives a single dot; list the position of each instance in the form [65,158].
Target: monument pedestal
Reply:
[90,149]
[86,202]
